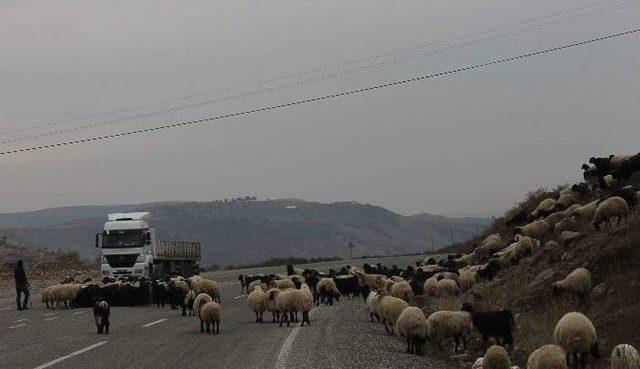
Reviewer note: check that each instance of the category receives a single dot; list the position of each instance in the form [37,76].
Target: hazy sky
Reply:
[469,143]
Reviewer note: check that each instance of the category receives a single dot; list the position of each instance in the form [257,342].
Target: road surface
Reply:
[340,336]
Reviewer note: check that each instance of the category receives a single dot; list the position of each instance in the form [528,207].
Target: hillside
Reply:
[251,231]
[523,280]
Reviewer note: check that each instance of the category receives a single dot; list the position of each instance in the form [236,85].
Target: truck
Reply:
[128,247]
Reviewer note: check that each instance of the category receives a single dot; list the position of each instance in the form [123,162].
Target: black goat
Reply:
[497,324]
[348,286]
[101,312]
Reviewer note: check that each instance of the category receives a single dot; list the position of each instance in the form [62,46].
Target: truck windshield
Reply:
[124,238]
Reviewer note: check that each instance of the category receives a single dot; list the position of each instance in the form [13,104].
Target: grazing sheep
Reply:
[412,324]
[447,287]
[490,244]
[610,208]
[390,308]
[538,230]
[496,357]
[270,305]
[327,291]
[577,336]
[210,317]
[402,290]
[176,292]
[554,218]
[478,363]
[445,324]
[629,194]
[568,212]
[199,301]
[625,357]
[547,357]
[578,283]
[257,302]
[544,208]
[565,200]
[497,324]
[211,288]
[101,312]
[349,285]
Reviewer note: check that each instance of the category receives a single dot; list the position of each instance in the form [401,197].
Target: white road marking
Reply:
[3,309]
[53,362]
[17,326]
[52,318]
[153,323]
[281,361]
[20,320]
[239,297]
[49,314]
[77,312]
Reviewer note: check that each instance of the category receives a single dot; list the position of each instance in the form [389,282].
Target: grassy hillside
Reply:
[242,232]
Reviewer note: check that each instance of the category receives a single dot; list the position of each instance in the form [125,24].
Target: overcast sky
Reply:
[468,143]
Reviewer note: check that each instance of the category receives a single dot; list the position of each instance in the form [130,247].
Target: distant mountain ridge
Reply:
[240,232]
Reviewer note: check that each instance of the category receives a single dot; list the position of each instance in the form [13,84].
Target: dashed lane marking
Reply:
[77,312]
[239,297]
[52,318]
[73,354]
[49,314]
[4,309]
[153,323]
[20,320]
[17,326]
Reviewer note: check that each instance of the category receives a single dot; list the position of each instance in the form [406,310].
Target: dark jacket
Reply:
[20,276]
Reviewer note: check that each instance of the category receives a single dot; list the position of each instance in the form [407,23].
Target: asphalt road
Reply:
[340,336]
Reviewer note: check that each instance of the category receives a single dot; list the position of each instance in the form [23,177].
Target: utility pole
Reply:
[351,246]
[452,240]
[433,246]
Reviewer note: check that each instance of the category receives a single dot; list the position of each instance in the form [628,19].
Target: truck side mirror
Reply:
[97,240]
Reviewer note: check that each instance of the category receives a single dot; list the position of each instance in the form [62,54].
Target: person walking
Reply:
[22,286]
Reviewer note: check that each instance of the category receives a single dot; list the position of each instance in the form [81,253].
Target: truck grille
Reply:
[121,261]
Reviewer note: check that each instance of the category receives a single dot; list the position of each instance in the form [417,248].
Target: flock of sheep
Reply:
[390,294]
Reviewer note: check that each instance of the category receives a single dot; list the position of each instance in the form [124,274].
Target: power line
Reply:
[507,34]
[321,98]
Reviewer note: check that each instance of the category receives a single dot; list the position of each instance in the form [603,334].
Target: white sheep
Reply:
[578,283]
[372,304]
[257,301]
[270,306]
[496,357]
[402,290]
[373,281]
[490,244]
[390,308]
[207,286]
[189,298]
[586,212]
[255,283]
[577,336]
[412,324]
[468,279]
[538,229]
[283,284]
[199,301]
[431,286]
[445,324]
[543,207]
[291,301]
[447,287]
[210,317]
[613,207]
[625,356]
[547,357]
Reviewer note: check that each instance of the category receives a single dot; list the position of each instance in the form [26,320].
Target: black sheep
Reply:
[497,324]
[490,270]
[101,312]
[348,285]
[159,293]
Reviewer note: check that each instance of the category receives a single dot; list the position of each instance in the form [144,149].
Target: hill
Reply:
[241,232]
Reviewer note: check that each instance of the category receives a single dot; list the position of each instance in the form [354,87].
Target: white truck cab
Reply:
[129,248]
